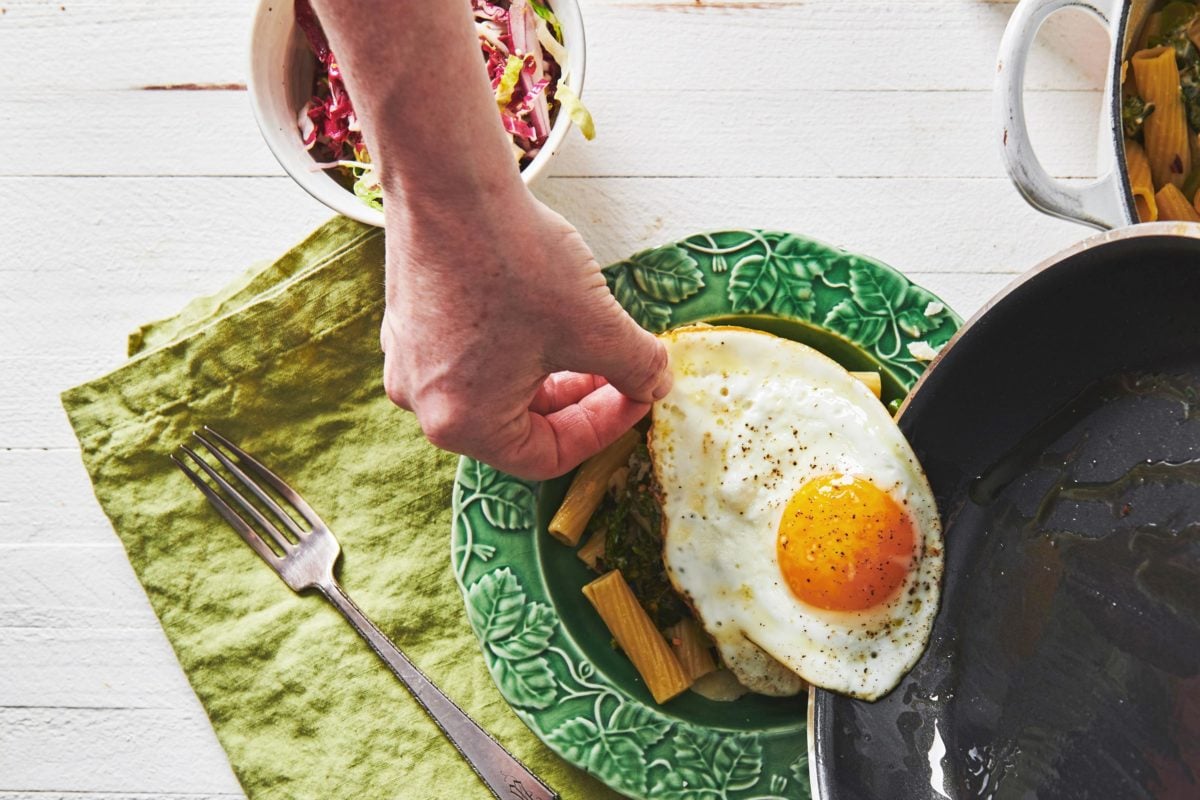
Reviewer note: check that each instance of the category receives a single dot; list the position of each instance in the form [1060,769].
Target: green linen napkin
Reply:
[286,362]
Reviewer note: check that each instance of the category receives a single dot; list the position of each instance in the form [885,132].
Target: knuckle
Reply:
[658,359]
[441,423]
[393,386]
[514,449]
[595,306]
[653,360]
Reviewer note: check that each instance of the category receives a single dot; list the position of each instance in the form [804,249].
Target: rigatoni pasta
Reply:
[1172,205]
[691,646]
[624,541]
[1160,109]
[871,380]
[636,635]
[1140,182]
[588,487]
[1156,76]
[592,552]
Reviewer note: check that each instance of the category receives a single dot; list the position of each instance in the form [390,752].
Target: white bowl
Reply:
[280,82]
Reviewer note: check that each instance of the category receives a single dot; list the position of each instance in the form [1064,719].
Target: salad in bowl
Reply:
[524,50]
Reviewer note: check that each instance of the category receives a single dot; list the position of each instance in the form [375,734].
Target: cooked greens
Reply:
[1133,115]
[631,520]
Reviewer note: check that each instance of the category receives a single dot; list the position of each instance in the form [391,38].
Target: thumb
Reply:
[632,359]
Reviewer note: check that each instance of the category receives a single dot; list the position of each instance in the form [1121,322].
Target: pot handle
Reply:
[1100,204]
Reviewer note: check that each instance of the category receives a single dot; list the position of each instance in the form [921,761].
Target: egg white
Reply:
[751,418]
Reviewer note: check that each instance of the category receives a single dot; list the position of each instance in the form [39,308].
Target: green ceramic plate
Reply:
[546,648]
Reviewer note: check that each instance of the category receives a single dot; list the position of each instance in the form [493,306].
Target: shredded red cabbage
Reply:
[329,127]
[334,125]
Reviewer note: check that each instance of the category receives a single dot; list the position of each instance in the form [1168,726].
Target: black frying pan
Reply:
[1060,431]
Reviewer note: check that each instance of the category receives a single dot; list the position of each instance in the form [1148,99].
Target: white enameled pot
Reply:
[1106,202]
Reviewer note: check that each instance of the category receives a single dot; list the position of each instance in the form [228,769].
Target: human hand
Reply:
[502,336]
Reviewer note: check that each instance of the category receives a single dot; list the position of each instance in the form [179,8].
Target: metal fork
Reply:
[307,561]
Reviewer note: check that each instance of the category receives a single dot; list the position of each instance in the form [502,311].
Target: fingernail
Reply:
[664,385]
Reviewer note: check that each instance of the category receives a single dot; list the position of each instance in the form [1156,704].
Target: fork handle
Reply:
[504,775]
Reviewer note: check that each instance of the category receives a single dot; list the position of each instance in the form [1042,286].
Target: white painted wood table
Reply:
[133,178]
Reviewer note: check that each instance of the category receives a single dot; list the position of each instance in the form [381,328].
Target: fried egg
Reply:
[797,521]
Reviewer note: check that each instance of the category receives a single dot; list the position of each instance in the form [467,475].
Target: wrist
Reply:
[465,201]
[459,203]
[442,242]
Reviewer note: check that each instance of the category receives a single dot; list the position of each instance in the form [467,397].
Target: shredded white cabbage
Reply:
[550,44]
[307,128]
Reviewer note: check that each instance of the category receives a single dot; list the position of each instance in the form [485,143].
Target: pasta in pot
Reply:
[1172,205]
[1140,182]
[1166,132]
[1161,114]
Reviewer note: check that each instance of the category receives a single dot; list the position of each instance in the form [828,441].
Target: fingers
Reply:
[563,389]
[532,444]
[629,357]
[559,441]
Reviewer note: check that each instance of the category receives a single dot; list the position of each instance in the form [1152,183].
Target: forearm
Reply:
[415,73]
[488,291]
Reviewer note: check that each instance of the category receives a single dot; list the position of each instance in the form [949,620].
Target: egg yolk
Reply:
[844,544]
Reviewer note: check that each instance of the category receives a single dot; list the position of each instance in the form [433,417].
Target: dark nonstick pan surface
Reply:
[1061,434]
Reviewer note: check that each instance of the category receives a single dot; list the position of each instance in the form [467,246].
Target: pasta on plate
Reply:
[612,507]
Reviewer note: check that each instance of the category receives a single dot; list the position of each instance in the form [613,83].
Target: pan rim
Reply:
[817,738]
[1186,230]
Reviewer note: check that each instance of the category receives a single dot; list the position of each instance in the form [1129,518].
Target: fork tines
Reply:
[225,491]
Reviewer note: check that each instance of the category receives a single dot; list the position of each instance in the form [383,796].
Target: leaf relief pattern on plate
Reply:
[706,764]
[646,282]
[632,746]
[515,633]
[506,503]
[885,312]
[614,746]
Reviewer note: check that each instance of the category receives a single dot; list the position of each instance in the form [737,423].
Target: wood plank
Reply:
[85,794]
[948,44]
[90,667]
[106,44]
[933,225]
[45,495]
[71,586]
[818,44]
[172,239]
[32,420]
[131,250]
[760,130]
[175,237]
[149,751]
[824,134]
